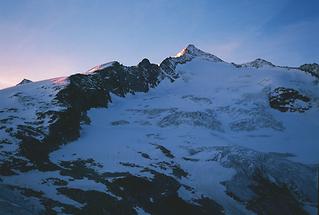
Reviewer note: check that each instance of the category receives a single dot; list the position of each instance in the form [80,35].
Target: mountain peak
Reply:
[263,61]
[101,66]
[259,62]
[24,81]
[191,51]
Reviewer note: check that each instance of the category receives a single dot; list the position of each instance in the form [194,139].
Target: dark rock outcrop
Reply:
[313,69]
[286,99]
[83,92]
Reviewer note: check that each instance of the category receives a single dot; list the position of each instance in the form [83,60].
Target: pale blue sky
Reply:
[41,39]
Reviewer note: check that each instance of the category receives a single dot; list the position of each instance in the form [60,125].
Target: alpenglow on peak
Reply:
[191,51]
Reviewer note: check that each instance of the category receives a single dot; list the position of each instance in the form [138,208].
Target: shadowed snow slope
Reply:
[193,135]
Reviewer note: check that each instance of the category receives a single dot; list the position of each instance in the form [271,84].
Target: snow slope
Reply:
[208,133]
[27,105]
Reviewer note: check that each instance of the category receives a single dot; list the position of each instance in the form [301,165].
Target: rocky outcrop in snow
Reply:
[311,68]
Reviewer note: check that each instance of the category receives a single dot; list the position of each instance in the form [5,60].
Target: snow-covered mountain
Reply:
[24,81]
[193,135]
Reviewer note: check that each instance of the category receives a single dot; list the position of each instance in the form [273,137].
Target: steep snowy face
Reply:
[194,135]
[248,100]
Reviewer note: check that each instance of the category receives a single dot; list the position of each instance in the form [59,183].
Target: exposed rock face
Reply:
[311,68]
[86,91]
[157,196]
[286,99]
[14,203]
[262,178]
[83,91]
